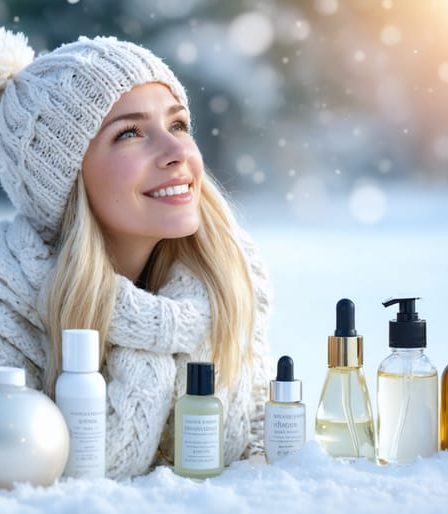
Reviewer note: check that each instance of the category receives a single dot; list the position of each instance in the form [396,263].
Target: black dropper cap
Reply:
[285,369]
[407,331]
[284,388]
[345,319]
[200,378]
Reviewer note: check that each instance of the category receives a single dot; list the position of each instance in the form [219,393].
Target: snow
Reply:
[308,483]
[311,266]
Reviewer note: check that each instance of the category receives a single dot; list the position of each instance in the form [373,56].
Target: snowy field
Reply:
[311,483]
[312,265]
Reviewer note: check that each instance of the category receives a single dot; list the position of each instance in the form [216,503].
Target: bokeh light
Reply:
[367,204]
[251,33]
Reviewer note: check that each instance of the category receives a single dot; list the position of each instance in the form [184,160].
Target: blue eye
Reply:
[128,133]
[180,126]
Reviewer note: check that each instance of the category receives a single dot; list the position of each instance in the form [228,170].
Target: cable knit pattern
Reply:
[140,391]
[180,315]
[151,339]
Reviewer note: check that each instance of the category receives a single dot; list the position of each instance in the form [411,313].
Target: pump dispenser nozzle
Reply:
[407,331]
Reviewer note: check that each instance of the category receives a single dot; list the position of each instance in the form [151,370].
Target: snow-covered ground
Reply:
[312,266]
[309,483]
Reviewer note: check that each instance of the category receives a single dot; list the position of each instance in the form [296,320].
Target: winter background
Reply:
[327,121]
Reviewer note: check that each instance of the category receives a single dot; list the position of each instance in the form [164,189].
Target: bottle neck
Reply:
[345,352]
[407,352]
[285,392]
[80,371]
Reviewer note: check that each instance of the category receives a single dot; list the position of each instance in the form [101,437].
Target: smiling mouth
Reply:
[170,191]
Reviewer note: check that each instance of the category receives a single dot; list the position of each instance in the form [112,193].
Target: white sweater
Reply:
[151,338]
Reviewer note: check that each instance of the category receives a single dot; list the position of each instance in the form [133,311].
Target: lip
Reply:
[173,182]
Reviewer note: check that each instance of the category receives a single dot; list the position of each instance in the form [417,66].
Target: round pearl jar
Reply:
[34,439]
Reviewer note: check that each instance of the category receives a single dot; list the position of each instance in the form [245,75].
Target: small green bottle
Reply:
[198,444]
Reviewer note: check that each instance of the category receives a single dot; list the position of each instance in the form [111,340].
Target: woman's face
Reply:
[143,170]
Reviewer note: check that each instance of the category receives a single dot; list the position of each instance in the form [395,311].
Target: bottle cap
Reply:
[407,331]
[345,348]
[284,389]
[12,376]
[80,350]
[200,378]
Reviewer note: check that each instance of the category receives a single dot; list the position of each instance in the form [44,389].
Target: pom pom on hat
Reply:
[15,54]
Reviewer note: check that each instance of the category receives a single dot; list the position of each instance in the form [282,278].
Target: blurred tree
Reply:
[281,91]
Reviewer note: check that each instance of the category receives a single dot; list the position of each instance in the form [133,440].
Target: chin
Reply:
[179,232]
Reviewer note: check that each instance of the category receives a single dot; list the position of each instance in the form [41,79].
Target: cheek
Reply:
[114,175]
[196,163]
[110,183]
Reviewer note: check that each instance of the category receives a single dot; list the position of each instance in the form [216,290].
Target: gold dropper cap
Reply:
[345,352]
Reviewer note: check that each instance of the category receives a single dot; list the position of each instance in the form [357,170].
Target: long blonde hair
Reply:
[81,290]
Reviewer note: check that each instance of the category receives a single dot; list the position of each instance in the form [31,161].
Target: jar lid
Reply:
[12,376]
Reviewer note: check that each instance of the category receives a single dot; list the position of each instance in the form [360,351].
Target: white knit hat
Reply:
[53,107]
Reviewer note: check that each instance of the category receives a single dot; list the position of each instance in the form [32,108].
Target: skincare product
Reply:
[198,446]
[344,422]
[444,411]
[34,438]
[407,391]
[81,396]
[284,425]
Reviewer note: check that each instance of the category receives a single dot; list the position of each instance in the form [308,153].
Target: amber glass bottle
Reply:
[444,411]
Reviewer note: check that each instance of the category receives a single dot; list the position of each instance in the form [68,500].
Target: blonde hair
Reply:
[81,290]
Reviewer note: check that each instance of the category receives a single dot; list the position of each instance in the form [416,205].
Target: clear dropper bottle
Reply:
[344,422]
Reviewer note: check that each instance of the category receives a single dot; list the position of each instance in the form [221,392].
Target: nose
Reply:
[172,151]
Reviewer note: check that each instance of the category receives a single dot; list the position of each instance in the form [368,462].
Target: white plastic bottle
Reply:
[81,396]
[284,425]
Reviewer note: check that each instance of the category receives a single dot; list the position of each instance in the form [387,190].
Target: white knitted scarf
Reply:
[146,330]
[151,339]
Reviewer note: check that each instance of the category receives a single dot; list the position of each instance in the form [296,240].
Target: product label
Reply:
[284,431]
[200,448]
[86,421]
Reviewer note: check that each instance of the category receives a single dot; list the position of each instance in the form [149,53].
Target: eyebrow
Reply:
[141,115]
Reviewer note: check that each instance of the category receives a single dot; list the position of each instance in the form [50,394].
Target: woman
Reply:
[120,229]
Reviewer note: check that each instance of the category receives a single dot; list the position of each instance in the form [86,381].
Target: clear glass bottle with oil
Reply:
[407,391]
[344,422]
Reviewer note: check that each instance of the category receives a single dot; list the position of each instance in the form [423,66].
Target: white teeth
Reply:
[171,191]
